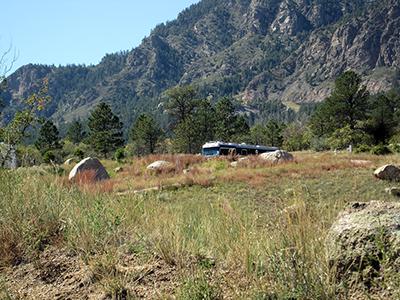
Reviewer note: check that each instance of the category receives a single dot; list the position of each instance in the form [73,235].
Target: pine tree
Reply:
[145,134]
[228,124]
[76,132]
[48,138]
[273,134]
[105,134]
[347,106]
[181,103]
[185,140]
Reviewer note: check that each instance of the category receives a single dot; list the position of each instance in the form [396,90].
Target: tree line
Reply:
[350,116]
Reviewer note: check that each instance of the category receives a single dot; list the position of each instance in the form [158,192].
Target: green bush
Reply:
[49,157]
[119,154]
[79,153]
[395,148]
[29,156]
[363,148]
[380,150]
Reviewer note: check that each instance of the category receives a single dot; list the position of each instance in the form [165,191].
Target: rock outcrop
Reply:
[364,243]
[92,168]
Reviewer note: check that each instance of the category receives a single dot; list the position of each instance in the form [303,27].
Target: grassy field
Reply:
[256,231]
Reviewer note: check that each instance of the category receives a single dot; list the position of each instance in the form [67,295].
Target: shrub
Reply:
[395,148]
[363,148]
[79,153]
[119,154]
[49,157]
[29,156]
[380,150]
[343,137]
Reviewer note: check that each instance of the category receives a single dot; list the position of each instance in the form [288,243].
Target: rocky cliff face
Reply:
[290,50]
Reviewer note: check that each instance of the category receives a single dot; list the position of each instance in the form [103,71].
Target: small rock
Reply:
[119,170]
[90,165]
[388,172]
[234,164]
[160,165]
[277,156]
[186,171]
[395,191]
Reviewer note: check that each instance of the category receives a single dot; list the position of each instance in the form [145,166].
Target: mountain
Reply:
[258,51]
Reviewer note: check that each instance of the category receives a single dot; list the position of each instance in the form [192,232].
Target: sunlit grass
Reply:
[255,231]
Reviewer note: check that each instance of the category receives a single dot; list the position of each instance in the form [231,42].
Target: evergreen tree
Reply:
[48,138]
[185,140]
[273,133]
[383,117]
[257,134]
[181,103]
[204,122]
[145,134]
[105,134]
[347,106]
[228,124]
[76,132]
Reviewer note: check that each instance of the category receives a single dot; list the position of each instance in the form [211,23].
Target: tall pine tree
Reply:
[145,134]
[76,133]
[105,134]
[48,139]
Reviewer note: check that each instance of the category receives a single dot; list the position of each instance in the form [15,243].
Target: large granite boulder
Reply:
[160,165]
[277,156]
[388,172]
[363,245]
[90,166]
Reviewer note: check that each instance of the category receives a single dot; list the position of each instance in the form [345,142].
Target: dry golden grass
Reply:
[252,232]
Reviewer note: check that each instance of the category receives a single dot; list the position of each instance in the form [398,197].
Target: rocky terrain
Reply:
[254,50]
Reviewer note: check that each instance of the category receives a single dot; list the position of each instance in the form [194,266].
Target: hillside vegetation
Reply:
[257,51]
[256,231]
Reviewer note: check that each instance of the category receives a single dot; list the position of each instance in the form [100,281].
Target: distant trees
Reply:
[145,135]
[196,121]
[76,132]
[351,116]
[105,134]
[48,139]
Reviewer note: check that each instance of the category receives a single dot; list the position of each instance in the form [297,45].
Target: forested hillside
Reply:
[261,52]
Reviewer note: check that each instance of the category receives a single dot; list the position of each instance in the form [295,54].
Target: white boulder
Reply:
[90,165]
[160,165]
[277,156]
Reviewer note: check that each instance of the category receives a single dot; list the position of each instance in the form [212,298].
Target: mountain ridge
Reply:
[253,50]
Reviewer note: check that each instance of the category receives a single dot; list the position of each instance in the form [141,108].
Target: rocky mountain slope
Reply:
[255,50]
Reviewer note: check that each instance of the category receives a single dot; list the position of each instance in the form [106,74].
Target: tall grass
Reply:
[257,233]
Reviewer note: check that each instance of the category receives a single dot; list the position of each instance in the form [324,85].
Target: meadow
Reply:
[209,231]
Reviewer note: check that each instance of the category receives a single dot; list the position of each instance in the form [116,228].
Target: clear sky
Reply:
[79,31]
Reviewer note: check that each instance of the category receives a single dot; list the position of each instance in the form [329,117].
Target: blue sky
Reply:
[79,31]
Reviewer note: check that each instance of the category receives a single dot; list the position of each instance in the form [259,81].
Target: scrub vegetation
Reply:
[256,231]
